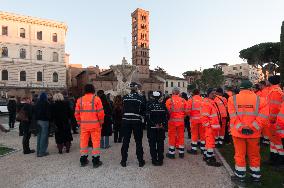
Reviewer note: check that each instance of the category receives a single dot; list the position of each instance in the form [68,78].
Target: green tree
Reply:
[191,73]
[265,55]
[210,78]
[282,54]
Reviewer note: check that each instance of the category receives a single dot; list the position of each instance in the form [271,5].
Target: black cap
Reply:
[210,90]
[274,80]
[220,90]
[133,85]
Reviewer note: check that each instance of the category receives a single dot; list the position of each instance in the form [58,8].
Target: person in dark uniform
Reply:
[156,117]
[133,110]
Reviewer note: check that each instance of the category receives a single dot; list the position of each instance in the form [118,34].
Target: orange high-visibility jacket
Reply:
[177,108]
[264,92]
[194,107]
[222,105]
[209,114]
[247,110]
[89,111]
[230,93]
[280,122]
[274,99]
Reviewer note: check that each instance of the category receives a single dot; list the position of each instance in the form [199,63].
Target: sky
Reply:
[184,34]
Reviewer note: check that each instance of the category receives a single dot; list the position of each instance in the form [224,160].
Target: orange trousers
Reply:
[209,142]
[220,134]
[95,134]
[276,145]
[197,131]
[197,134]
[176,134]
[266,133]
[247,147]
[209,138]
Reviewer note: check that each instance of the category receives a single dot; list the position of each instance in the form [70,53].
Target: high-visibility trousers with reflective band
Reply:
[247,147]
[266,133]
[95,134]
[176,135]
[276,143]
[209,142]
[197,134]
[220,133]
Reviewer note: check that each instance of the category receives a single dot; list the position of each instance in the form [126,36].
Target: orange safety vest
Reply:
[230,93]
[280,122]
[275,99]
[247,110]
[222,105]
[177,108]
[194,107]
[209,114]
[89,111]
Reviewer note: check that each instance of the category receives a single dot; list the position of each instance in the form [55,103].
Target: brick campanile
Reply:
[140,42]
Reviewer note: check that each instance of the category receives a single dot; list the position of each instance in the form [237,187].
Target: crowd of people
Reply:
[244,118]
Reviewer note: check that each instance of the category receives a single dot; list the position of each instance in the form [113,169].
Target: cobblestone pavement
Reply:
[18,170]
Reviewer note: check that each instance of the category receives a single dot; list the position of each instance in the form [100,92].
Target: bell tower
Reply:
[140,42]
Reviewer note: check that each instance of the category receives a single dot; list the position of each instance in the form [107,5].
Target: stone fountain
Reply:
[124,73]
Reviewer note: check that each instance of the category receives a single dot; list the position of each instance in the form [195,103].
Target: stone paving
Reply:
[18,170]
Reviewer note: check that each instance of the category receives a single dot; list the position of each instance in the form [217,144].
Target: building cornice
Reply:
[32,20]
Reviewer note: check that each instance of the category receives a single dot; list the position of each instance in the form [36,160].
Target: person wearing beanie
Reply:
[249,114]
[89,114]
[211,124]
[275,99]
[134,107]
[222,105]
[156,118]
[177,108]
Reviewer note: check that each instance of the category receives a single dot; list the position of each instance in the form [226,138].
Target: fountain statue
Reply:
[124,74]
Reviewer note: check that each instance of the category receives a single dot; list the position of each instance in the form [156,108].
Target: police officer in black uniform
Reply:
[156,115]
[134,108]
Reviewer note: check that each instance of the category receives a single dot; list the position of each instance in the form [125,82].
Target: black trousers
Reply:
[117,132]
[12,119]
[26,136]
[156,139]
[129,126]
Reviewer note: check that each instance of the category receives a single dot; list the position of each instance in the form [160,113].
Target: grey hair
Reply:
[58,97]
[176,90]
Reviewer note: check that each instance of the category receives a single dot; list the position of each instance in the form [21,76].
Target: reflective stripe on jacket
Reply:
[275,99]
[280,122]
[209,114]
[222,105]
[194,107]
[89,111]
[177,108]
[247,110]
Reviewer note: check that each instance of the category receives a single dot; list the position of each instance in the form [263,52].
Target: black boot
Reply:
[181,155]
[273,159]
[192,151]
[123,163]
[60,148]
[141,163]
[96,162]
[154,162]
[84,160]
[68,145]
[238,181]
[212,162]
[170,156]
